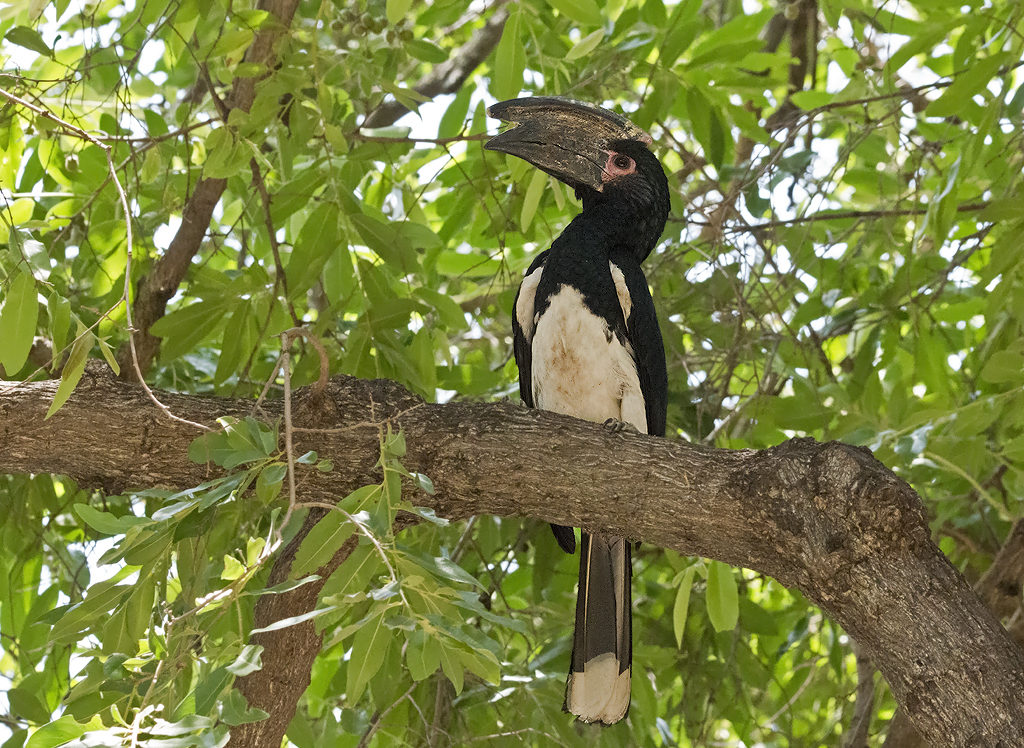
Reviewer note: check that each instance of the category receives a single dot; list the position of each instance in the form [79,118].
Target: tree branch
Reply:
[154,290]
[827,519]
[860,724]
[448,76]
[1000,590]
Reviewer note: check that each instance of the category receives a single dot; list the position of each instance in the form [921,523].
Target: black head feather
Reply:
[635,205]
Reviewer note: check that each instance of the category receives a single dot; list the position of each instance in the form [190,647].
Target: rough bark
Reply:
[155,289]
[288,659]
[827,519]
[1000,590]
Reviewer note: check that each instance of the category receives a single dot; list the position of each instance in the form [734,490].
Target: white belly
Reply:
[580,368]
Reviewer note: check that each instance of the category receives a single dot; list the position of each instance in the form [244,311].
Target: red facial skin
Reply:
[617,165]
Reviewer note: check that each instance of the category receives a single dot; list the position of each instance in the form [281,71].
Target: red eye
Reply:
[623,162]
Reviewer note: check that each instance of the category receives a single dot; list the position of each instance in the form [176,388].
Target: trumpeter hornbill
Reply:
[587,343]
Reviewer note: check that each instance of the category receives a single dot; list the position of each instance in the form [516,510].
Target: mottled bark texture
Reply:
[827,519]
[1000,590]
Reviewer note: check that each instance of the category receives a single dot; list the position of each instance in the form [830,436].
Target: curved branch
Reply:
[154,290]
[828,519]
[1000,589]
[448,76]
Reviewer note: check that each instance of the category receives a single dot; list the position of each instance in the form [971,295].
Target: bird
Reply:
[587,344]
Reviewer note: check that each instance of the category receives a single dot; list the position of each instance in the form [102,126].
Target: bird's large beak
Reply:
[565,138]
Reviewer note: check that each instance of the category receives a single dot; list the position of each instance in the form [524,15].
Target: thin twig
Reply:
[284,365]
[378,718]
[860,723]
[275,248]
[286,344]
[360,135]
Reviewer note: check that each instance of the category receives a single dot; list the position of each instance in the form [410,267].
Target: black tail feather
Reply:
[598,686]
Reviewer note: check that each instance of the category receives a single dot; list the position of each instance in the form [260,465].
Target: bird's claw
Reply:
[618,427]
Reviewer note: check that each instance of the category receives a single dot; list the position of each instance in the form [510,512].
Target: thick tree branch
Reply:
[154,290]
[1000,589]
[448,76]
[825,518]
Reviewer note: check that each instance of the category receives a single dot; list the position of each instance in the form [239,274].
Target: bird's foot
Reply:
[618,427]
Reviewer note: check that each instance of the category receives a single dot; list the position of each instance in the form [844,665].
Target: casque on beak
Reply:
[564,138]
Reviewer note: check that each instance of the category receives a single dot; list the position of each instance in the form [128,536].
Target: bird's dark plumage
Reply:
[587,343]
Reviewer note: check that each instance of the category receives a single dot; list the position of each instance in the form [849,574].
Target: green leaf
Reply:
[965,85]
[453,121]
[477,662]
[56,733]
[353,576]
[101,600]
[509,60]
[270,481]
[397,10]
[1003,367]
[232,43]
[108,356]
[722,596]
[585,46]
[451,664]
[59,310]
[209,688]
[292,621]
[239,338]
[107,523]
[317,242]
[426,51]
[383,239]
[368,651]
[184,328]
[236,711]
[139,610]
[422,655]
[532,199]
[233,569]
[807,100]
[28,38]
[248,660]
[73,369]
[328,535]
[18,323]
[682,30]
[586,12]
[469,265]
[682,604]
[27,705]
[322,542]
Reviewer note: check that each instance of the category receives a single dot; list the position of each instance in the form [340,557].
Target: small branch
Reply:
[359,135]
[448,76]
[860,723]
[378,718]
[279,274]
[156,289]
[831,216]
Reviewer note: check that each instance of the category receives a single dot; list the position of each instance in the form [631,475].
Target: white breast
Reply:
[580,368]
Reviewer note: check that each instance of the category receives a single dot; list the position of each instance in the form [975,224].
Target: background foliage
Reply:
[842,262]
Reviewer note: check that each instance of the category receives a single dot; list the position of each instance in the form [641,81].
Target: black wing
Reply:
[644,336]
[520,345]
